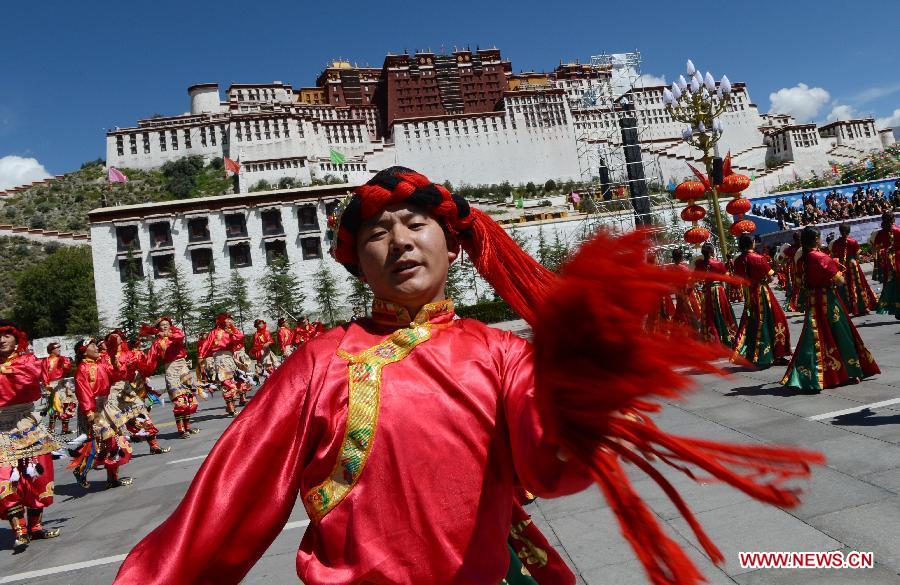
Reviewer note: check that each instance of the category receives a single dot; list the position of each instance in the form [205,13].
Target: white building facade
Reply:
[244,232]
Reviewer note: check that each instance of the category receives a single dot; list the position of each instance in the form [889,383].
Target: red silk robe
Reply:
[93,379]
[285,337]
[168,349]
[887,249]
[220,340]
[19,380]
[54,368]
[456,428]
[717,320]
[763,336]
[260,340]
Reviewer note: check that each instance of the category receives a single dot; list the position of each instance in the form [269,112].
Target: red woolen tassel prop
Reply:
[596,370]
[517,277]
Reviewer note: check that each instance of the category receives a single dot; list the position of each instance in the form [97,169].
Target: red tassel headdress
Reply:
[596,365]
[20,335]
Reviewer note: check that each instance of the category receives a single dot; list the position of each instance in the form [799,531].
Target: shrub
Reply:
[488,312]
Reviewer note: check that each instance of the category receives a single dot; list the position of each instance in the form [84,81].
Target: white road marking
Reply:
[184,460]
[855,409]
[101,561]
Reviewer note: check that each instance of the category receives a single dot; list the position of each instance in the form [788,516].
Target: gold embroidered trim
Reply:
[364,379]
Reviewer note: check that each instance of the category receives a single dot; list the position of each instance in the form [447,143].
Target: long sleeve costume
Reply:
[93,381]
[887,254]
[54,368]
[220,344]
[26,465]
[830,351]
[170,350]
[285,340]
[855,292]
[262,350]
[793,298]
[463,390]
[717,320]
[763,335]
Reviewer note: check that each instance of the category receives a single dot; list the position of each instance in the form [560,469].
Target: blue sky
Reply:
[72,69]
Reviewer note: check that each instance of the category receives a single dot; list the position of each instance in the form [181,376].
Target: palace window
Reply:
[133,268]
[162,141]
[275,249]
[127,237]
[163,265]
[133,140]
[198,229]
[147,143]
[307,218]
[271,222]
[212,135]
[203,137]
[120,148]
[160,235]
[239,254]
[311,247]
[236,225]
[202,261]
[187,138]
[173,135]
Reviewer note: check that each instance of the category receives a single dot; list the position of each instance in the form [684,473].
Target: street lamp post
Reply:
[699,103]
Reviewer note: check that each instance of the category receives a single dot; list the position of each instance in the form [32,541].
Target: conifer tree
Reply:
[454,289]
[281,293]
[151,305]
[543,250]
[178,302]
[211,304]
[130,310]
[360,296]
[326,294]
[238,298]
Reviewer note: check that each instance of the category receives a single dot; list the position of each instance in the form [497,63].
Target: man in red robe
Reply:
[217,351]
[262,348]
[303,332]
[285,337]
[26,462]
[54,368]
[886,245]
[409,436]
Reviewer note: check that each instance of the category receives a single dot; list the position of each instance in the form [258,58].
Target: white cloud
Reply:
[892,121]
[874,93]
[17,170]
[801,101]
[651,80]
[842,112]
[622,78]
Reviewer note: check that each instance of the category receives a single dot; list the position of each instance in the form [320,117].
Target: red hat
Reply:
[21,336]
[222,317]
[514,275]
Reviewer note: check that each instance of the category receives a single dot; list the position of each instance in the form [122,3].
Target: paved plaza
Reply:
[853,502]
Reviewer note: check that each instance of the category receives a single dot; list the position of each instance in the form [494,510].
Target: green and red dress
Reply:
[855,292]
[887,255]
[830,351]
[794,297]
[763,335]
[717,320]
[687,304]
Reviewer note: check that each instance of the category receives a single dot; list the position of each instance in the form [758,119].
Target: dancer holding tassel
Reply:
[763,338]
[54,368]
[830,351]
[26,462]
[266,362]
[717,320]
[855,292]
[397,403]
[100,421]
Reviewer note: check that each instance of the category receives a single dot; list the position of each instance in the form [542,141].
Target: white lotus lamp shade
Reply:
[676,91]
[686,133]
[682,83]
[668,97]
[709,82]
[701,127]
[690,67]
[725,85]
[695,85]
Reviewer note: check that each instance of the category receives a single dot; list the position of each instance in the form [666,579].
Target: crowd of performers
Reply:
[105,390]
[827,285]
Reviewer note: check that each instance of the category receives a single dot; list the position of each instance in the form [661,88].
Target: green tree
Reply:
[211,304]
[543,249]
[181,175]
[326,293]
[550,186]
[56,295]
[131,308]
[557,254]
[519,238]
[530,188]
[360,296]
[177,300]
[454,289]
[151,301]
[282,296]
[238,298]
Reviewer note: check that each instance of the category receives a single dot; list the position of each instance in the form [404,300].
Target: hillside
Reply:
[63,204]
[16,254]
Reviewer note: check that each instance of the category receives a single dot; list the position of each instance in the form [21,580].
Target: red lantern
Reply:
[696,235]
[738,206]
[693,213]
[734,183]
[689,191]
[745,226]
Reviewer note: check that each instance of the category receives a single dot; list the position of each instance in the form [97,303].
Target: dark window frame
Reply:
[229,231]
[232,256]
[133,244]
[196,266]
[311,255]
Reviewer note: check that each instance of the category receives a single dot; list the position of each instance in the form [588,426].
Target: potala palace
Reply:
[468,118]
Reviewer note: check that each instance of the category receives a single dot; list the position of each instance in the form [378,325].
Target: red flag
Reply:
[834,169]
[232,166]
[116,176]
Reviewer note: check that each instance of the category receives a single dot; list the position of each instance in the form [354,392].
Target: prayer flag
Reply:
[231,166]
[116,176]
[576,198]
[337,158]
